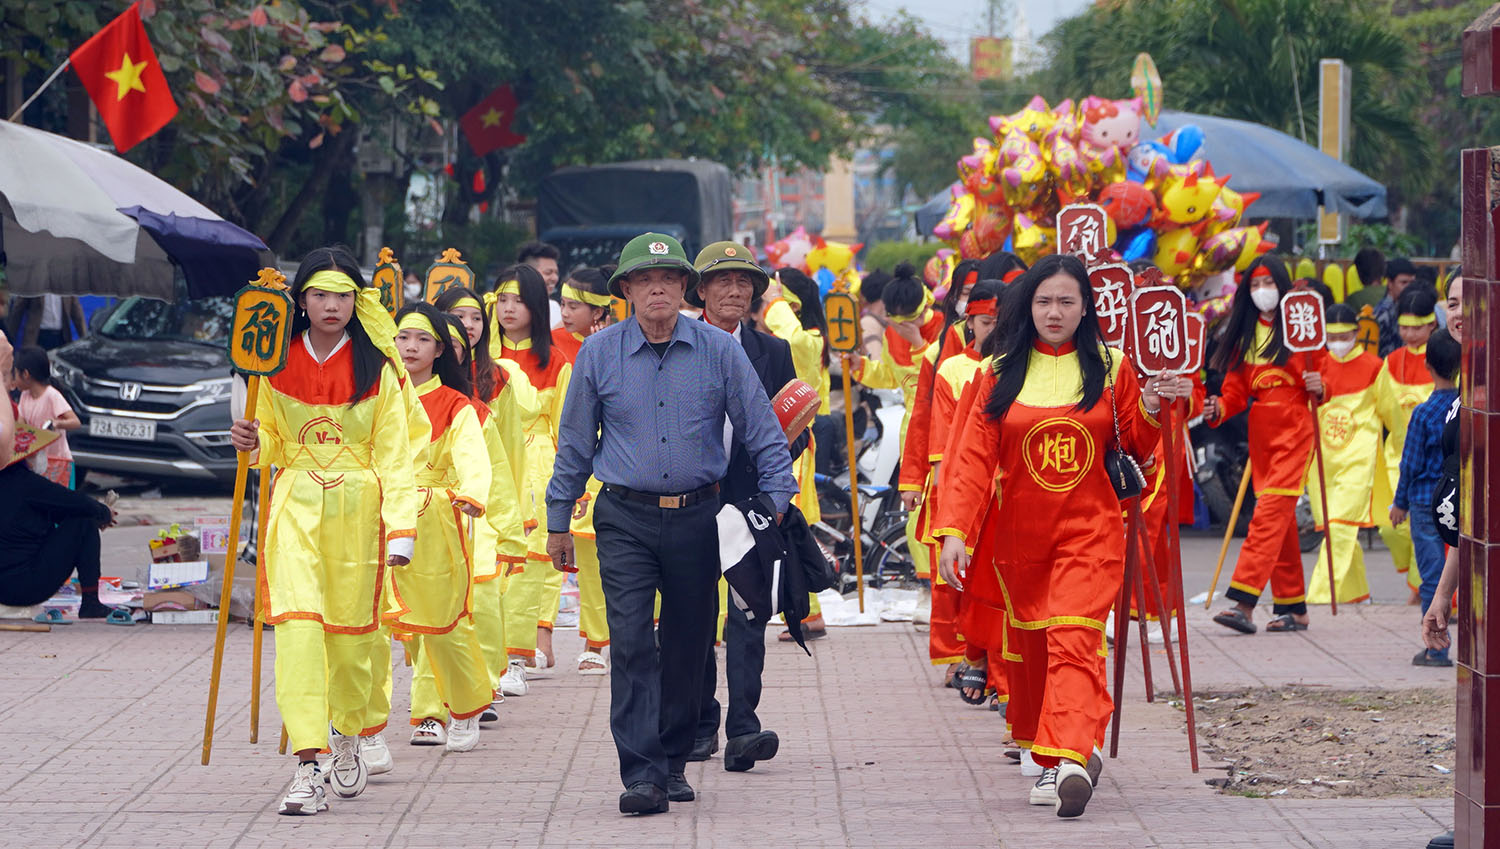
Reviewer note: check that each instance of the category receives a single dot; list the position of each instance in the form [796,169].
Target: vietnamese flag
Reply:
[487,125]
[119,70]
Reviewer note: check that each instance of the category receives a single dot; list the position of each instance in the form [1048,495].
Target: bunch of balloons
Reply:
[825,261]
[1164,203]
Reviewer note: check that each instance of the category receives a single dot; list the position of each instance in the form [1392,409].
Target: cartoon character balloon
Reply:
[790,250]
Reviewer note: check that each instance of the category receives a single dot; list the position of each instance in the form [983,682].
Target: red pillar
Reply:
[1476,794]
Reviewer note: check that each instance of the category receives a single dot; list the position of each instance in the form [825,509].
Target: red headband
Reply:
[971,278]
[1012,274]
[984,307]
[1261,271]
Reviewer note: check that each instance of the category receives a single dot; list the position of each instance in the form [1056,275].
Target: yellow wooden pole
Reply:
[1234,519]
[242,469]
[263,513]
[856,526]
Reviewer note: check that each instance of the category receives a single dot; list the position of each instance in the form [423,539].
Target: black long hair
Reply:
[811,313]
[591,280]
[486,382]
[446,366]
[1237,337]
[1000,263]
[534,296]
[1014,349]
[961,272]
[367,358]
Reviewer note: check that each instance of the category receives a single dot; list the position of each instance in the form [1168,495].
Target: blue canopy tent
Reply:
[1293,178]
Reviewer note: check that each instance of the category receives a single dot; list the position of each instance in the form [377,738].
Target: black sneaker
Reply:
[704,748]
[741,753]
[678,790]
[1442,841]
[643,797]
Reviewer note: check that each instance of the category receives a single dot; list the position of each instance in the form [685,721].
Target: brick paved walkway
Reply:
[99,744]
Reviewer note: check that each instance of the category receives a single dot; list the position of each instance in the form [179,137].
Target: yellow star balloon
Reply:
[128,78]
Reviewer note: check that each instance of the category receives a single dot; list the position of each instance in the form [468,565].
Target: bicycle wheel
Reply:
[889,560]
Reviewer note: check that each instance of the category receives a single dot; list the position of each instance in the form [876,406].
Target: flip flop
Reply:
[1236,620]
[974,679]
[1284,623]
[51,616]
[119,616]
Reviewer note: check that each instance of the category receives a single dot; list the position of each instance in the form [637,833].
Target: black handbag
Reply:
[1124,472]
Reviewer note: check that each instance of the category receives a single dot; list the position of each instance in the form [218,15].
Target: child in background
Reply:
[44,408]
[1422,469]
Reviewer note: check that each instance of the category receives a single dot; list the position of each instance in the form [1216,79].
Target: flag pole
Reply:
[38,93]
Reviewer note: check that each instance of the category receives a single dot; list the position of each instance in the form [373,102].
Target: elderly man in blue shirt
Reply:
[645,415]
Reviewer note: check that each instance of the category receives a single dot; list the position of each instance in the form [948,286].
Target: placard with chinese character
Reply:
[1083,231]
[1112,285]
[387,278]
[450,270]
[843,321]
[1302,324]
[1158,330]
[262,330]
[1197,341]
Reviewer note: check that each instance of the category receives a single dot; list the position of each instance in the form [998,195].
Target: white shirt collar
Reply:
[307,343]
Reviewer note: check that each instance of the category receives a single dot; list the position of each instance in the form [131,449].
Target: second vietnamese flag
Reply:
[119,70]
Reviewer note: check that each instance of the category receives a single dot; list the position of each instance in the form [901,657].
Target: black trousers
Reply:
[32,577]
[656,679]
[744,659]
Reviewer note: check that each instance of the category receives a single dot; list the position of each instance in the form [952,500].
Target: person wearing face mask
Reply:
[1403,384]
[1056,402]
[1351,442]
[1258,368]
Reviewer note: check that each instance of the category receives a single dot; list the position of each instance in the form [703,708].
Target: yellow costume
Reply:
[1402,385]
[807,359]
[343,494]
[1351,442]
[534,581]
[429,598]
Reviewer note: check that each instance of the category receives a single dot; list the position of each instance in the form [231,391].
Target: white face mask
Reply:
[1265,300]
[1339,349]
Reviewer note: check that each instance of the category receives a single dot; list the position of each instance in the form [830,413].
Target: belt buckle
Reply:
[669,502]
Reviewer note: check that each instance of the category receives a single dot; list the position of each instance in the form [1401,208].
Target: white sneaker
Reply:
[1072,789]
[305,797]
[346,769]
[1029,767]
[376,754]
[429,732]
[1044,792]
[1154,635]
[923,613]
[513,682]
[463,734]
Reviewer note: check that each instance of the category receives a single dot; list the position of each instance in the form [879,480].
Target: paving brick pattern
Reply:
[99,744]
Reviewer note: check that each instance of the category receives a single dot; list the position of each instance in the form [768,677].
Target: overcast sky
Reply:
[956,21]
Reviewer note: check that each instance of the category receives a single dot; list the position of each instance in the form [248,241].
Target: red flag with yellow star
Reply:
[119,70]
[487,125]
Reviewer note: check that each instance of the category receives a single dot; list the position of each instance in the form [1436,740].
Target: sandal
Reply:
[51,616]
[598,667]
[539,665]
[1236,620]
[974,679]
[1283,624]
[119,616]
[956,671]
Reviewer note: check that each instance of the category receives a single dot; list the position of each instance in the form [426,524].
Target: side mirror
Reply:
[99,316]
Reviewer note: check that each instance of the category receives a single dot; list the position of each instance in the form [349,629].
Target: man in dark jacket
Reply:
[730,280]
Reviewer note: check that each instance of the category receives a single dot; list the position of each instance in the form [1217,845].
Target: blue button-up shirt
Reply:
[656,423]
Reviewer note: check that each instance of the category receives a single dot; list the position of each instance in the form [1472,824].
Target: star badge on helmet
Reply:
[730,252]
[657,248]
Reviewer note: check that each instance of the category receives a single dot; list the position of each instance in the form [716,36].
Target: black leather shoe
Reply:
[678,790]
[704,748]
[643,797]
[1442,841]
[741,753]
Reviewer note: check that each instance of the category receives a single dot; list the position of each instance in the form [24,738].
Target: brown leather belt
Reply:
[666,502]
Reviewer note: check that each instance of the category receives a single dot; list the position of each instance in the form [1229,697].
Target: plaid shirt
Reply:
[1422,456]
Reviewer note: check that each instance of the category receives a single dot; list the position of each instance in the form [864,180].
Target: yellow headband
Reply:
[1342,327]
[509,287]
[331,280]
[416,321]
[1409,320]
[466,301]
[368,310]
[921,308]
[586,297]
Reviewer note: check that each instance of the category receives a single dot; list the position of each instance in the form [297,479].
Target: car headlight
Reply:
[66,374]
[218,389]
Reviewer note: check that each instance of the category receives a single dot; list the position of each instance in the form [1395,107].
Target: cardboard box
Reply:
[179,599]
[185,617]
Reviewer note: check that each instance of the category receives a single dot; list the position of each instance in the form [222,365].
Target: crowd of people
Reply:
[439,473]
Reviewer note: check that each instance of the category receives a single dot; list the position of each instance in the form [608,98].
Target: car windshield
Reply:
[202,320]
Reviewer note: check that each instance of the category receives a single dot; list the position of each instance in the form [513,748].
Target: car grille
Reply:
[149,402]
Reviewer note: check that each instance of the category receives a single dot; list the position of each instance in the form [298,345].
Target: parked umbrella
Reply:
[76,220]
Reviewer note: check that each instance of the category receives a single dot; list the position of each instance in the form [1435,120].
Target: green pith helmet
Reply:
[651,250]
[727,256]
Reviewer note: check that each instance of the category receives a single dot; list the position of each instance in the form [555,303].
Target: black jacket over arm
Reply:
[772,360]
